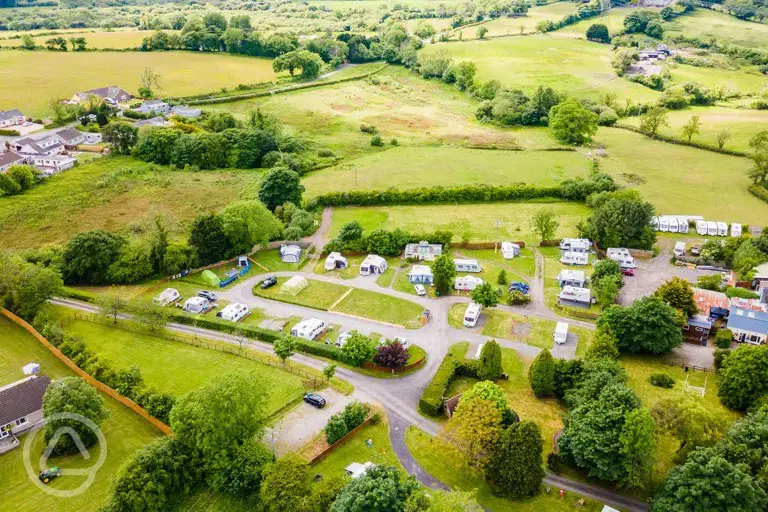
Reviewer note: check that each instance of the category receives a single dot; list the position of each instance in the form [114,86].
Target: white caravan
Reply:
[701,227]
[663,224]
[679,249]
[711,228]
[308,329]
[682,225]
[722,229]
[471,315]
[672,224]
[574,258]
[234,312]
[467,266]
[561,333]
[735,229]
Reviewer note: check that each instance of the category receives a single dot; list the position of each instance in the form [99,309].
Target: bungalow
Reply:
[290,253]
[70,137]
[697,329]
[509,250]
[21,406]
[48,146]
[335,260]
[467,283]
[156,106]
[421,274]
[50,165]
[575,278]
[423,251]
[710,303]
[576,296]
[10,118]
[155,121]
[373,264]
[467,265]
[9,159]
[111,94]
[183,111]
[748,325]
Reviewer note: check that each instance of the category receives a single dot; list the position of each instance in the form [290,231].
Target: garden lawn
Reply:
[125,432]
[415,167]
[176,367]
[182,74]
[318,295]
[475,222]
[705,24]
[116,39]
[353,269]
[380,307]
[531,330]
[115,193]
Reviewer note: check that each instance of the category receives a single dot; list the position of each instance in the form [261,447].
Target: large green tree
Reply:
[279,186]
[380,489]
[759,146]
[572,123]
[88,255]
[471,434]
[72,395]
[648,325]
[122,137]
[678,293]
[545,224]
[247,223]
[25,287]
[489,365]
[603,346]
[637,448]
[444,271]
[309,63]
[514,470]
[620,219]
[485,295]
[541,374]
[358,348]
[286,484]
[208,238]
[744,377]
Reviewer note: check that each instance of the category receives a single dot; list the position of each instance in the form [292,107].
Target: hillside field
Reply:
[113,39]
[705,24]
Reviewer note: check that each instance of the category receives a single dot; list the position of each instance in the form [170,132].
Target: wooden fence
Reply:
[90,380]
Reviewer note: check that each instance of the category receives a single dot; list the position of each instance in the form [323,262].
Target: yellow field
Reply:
[29,81]
[99,40]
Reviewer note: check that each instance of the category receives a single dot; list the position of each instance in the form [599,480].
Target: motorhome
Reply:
[711,228]
[561,333]
[575,244]
[471,315]
[735,229]
[574,258]
[621,255]
[467,266]
[663,224]
[308,329]
[672,224]
[701,227]
[682,225]
[679,249]
[234,312]
[722,229]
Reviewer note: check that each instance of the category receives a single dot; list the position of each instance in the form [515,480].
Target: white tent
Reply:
[290,253]
[294,285]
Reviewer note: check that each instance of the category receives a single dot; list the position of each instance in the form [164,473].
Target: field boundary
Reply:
[165,429]
[678,142]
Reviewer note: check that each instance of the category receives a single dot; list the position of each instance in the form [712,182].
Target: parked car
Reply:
[210,296]
[520,287]
[627,271]
[695,250]
[49,474]
[420,289]
[268,283]
[314,400]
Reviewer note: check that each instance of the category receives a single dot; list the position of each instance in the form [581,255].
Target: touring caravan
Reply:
[623,256]
[168,296]
[373,264]
[471,315]
[582,296]
[735,229]
[679,249]
[467,266]
[196,305]
[234,312]
[509,250]
[574,258]
[672,224]
[701,227]
[561,333]
[308,329]
[663,224]
[711,228]
[575,244]
[722,229]
[467,283]
[682,225]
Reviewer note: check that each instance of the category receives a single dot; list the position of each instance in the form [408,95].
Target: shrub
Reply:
[721,357]
[393,142]
[376,141]
[354,414]
[661,380]
[724,338]
[391,355]
[516,298]
[368,128]
[325,153]
[541,374]
[489,365]
[10,133]
[336,428]
[432,399]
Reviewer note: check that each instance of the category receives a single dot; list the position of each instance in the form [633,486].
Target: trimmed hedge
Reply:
[759,191]
[432,399]
[10,133]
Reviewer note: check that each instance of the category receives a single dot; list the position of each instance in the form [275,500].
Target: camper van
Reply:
[679,249]
[672,224]
[561,333]
[722,229]
[711,228]
[701,227]
[467,266]
[735,229]
[234,312]
[682,225]
[623,256]
[308,329]
[663,224]
[471,315]
[574,258]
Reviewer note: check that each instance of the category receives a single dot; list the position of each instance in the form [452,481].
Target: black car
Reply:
[268,283]
[209,296]
[314,400]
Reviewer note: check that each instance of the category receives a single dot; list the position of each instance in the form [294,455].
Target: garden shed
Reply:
[294,285]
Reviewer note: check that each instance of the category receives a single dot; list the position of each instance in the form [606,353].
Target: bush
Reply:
[341,423]
[721,357]
[368,128]
[10,133]
[335,429]
[724,338]
[376,141]
[431,401]
[516,298]
[325,153]
[661,380]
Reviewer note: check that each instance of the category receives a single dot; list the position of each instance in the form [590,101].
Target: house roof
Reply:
[22,398]
[708,299]
[186,111]
[69,133]
[10,158]
[155,121]
[761,271]
[10,114]
[748,320]
[700,321]
[111,91]
[154,102]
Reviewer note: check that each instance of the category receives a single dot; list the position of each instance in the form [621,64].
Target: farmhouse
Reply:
[335,260]
[467,265]
[509,250]
[421,274]
[373,264]
[575,278]
[110,94]
[10,118]
[156,106]
[710,303]
[183,111]
[423,251]
[576,296]
[467,283]
[154,121]
[748,325]
[21,405]
[9,159]
[290,253]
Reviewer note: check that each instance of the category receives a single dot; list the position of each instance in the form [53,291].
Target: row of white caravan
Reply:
[711,228]
[670,224]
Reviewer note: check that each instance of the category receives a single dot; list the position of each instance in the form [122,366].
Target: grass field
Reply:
[476,221]
[579,68]
[383,308]
[318,295]
[507,325]
[705,24]
[118,39]
[742,123]
[176,367]
[511,26]
[124,430]
[413,167]
[67,73]
[115,193]
[747,80]
[682,180]
[613,19]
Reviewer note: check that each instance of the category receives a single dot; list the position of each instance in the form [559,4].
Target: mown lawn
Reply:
[124,430]
[318,294]
[177,367]
[271,261]
[507,325]
[520,266]
[383,308]
[182,74]
[475,222]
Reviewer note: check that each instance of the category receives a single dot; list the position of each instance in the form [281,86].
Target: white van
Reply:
[467,266]
[711,228]
[679,249]
[308,329]
[471,315]
[701,227]
[735,229]
[672,224]
[574,258]
[663,224]
[682,225]
[722,229]
[561,333]
[234,312]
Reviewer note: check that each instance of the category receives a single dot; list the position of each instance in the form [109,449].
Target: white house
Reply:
[234,312]
[21,405]
[196,305]
[335,260]
[70,137]
[111,94]
[373,264]
[467,283]
[575,244]
[575,295]
[423,251]
[48,146]
[9,118]
[9,159]
[748,325]
[167,296]
[50,165]
[420,274]
[574,258]
[156,106]
[575,278]
[184,111]
[308,329]
[290,253]
[467,265]
[509,250]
